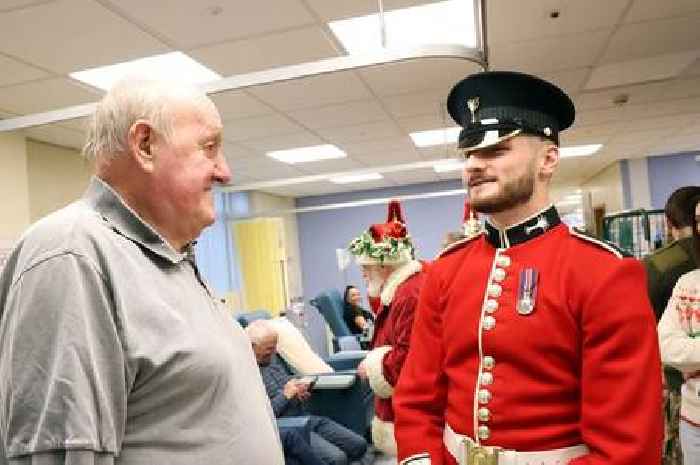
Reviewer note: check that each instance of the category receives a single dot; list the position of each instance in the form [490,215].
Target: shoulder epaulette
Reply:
[456,245]
[610,247]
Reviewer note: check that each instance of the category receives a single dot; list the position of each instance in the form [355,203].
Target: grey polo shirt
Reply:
[113,351]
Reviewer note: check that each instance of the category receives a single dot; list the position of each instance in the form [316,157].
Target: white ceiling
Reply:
[596,50]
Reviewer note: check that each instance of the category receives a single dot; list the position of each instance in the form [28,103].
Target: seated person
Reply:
[297,451]
[357,318]
[332,442]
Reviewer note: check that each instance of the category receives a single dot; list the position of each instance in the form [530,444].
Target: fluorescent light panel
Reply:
[579,150]
[446,22]
[444,166]
[168,66]
[433,137]
[357,178]
[307,154]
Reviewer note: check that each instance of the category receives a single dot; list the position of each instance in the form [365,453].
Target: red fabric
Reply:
[582,368]
[375,303]
[393,328]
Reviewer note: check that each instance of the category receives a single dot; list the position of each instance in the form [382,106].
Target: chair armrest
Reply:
[335,381]
[346,360]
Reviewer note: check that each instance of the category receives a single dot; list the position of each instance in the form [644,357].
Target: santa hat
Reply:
[470,223]
[385,243]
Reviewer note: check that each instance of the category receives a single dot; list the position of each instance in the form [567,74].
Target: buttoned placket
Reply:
[487,363]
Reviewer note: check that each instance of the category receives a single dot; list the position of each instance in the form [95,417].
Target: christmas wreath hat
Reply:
[385,243]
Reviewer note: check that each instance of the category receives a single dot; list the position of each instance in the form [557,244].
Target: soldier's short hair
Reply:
[679,210]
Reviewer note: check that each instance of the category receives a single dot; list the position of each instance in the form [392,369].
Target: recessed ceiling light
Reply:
[579,150]
[446,22]
[432,137]
[307,154]
[168,66]
[356,178]
[444,166]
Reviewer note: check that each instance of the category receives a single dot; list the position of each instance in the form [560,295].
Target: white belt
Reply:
[466,452]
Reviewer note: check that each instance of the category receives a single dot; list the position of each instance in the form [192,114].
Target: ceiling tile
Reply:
[89,36]
[39,96]
[266,52]
[238,104]
[551,54]
[290,141]
[641,70]
[258,127]
[346,114]
[188,24]
[412,176]
[640,40]
[636,94]
[14,72]
[9,5]
[361,133]
[646,10]
[313,91]
[417,75]
[424,123]
[265,168]
[432,102]
[234,152]
[570,80]
[515,20]
[385,148]
[438,152]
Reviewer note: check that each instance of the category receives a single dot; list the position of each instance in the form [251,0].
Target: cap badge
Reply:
[473,105]
[547,131]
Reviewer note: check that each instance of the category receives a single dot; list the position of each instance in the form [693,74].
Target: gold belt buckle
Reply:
[480,455]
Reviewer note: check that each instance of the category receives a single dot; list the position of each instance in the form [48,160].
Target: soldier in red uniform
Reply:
[386,255]
[532,343]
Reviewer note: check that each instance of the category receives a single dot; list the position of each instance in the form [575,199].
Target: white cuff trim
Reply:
[377,381]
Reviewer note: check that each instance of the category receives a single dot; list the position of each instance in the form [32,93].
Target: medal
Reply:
[527,291]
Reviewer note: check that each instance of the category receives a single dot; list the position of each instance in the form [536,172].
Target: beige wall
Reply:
[14,189]
[57,176]
[262,203]
[605,188]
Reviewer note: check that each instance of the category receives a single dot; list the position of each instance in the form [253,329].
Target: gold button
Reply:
[484,396]
[499,274]
[503,261]
[495,290]
[484,414]
[489,323]
[491,306]
[484,432]
[489,362]
[486,378]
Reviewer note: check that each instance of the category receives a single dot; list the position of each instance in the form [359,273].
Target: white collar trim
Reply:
[397,277]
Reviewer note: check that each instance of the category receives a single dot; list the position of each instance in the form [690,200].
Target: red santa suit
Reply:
[535,343]
[388,244]
[392,334]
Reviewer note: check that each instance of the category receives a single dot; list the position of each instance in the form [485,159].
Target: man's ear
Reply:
[140,141]
[549,160]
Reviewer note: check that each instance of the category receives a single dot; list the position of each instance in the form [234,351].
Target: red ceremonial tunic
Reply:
[582,368]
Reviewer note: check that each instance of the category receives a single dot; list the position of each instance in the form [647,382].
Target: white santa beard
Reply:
[374,287]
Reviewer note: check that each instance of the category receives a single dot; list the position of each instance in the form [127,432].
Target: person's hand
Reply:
[304,391]
[291,389]
[362,370]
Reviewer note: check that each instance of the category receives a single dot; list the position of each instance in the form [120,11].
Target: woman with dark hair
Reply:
[679,341]
[358,319]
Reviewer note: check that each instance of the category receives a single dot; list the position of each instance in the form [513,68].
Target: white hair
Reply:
[135,98]
[259,330]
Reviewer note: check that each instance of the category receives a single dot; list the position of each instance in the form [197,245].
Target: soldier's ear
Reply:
[549,159]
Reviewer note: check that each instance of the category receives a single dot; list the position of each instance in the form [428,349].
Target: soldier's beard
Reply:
[512,194]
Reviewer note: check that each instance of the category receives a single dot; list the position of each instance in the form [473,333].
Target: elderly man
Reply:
[533,344]
[112,348]
[386,254]
[332,442]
